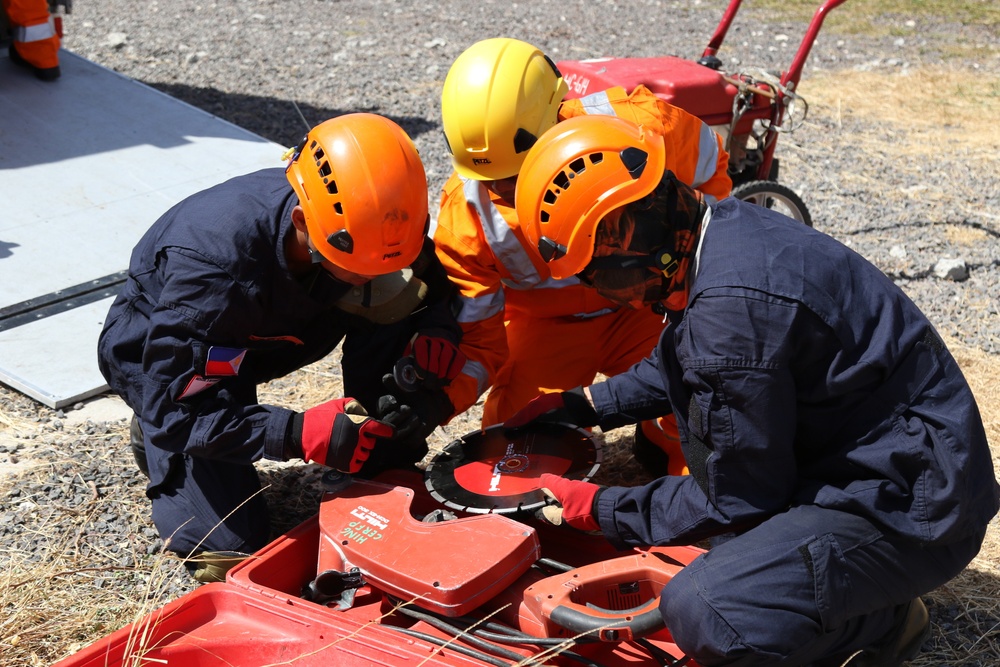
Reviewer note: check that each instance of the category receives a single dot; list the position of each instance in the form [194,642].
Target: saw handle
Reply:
[610,625]
[616,600]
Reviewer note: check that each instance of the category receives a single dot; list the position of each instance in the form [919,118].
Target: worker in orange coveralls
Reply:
[499,96]
[35,43]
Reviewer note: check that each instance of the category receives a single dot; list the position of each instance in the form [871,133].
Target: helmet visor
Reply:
[623,268]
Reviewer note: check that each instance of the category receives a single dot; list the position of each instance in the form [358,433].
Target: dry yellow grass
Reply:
[943,109]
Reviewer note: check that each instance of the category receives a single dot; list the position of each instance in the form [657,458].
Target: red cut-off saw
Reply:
[490,559]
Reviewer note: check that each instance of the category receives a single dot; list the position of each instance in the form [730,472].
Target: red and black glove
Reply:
[436,358]
[338,434]
[576,502]
[568,407]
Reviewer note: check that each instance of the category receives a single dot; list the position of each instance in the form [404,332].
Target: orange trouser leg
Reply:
[546,355]
[663,434]
[33,32]
[556,354]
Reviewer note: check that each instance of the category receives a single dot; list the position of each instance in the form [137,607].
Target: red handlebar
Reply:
[799,61]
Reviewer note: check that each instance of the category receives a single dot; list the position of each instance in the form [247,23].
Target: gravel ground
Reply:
[71,502]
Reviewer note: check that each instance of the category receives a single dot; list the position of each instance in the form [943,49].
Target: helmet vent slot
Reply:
[549,197]
[339,208]
[561,180]
[578,165]
[523,140]
[325,170]
[331,187]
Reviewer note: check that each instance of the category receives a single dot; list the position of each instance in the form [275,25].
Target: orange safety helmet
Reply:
[580,170]
[499,96]
[363,190]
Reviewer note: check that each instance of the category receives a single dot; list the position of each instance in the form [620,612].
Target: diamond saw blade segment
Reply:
[485,471]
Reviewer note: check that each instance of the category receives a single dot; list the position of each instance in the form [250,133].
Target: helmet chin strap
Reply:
[668,265]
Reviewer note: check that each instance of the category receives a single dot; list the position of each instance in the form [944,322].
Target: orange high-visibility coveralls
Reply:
[559,334]
[33,32]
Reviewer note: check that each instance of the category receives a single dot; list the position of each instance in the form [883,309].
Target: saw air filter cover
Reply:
[485,471]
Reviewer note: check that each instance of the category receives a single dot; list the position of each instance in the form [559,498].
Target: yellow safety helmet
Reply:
[363,190]
[579,171]
[499,96]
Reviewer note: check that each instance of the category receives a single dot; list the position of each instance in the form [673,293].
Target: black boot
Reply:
[902,643]
[43,73]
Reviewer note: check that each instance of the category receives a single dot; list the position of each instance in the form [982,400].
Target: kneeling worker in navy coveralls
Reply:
[839,464]
[252,279]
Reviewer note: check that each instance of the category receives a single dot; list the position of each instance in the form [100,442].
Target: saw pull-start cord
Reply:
[471,636]
[485,636]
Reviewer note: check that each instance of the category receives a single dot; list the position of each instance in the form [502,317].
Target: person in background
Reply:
[259,276]
[827,427]
[34,37]
[526,331]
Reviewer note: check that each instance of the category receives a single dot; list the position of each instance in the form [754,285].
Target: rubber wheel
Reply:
[775,196]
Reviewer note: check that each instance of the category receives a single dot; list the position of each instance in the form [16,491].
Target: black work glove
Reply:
[567,407]
[431,407]
[398,415]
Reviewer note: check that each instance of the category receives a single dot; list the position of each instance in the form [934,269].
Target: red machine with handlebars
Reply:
[749,109]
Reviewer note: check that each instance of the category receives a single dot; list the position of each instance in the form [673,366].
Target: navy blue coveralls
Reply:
[209,311]
[825,423]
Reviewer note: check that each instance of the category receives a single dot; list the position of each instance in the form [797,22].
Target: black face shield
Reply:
[641,250]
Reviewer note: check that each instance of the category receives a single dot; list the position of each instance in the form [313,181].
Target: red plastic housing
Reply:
[369,525]
[699,90]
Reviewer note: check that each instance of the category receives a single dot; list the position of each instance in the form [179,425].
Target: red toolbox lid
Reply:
[219,625]
[369,525]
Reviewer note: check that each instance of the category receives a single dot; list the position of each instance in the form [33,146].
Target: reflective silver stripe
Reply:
[500,236]
[596,313]
[548,283]
[477,309]
[477,372]
[597,104]
[35,33]
[708,157]
[505,244]
[705,219]
[708,147]
[509,252]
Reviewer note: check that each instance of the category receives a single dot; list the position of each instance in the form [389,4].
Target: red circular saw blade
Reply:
[485,471]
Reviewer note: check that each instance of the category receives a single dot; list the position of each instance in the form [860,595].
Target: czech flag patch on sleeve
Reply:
[224,361]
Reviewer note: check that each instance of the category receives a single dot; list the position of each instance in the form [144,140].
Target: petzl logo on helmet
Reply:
[481,160]
[390,255]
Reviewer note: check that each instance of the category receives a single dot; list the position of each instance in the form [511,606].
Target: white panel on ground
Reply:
[54,360]
[87,163]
